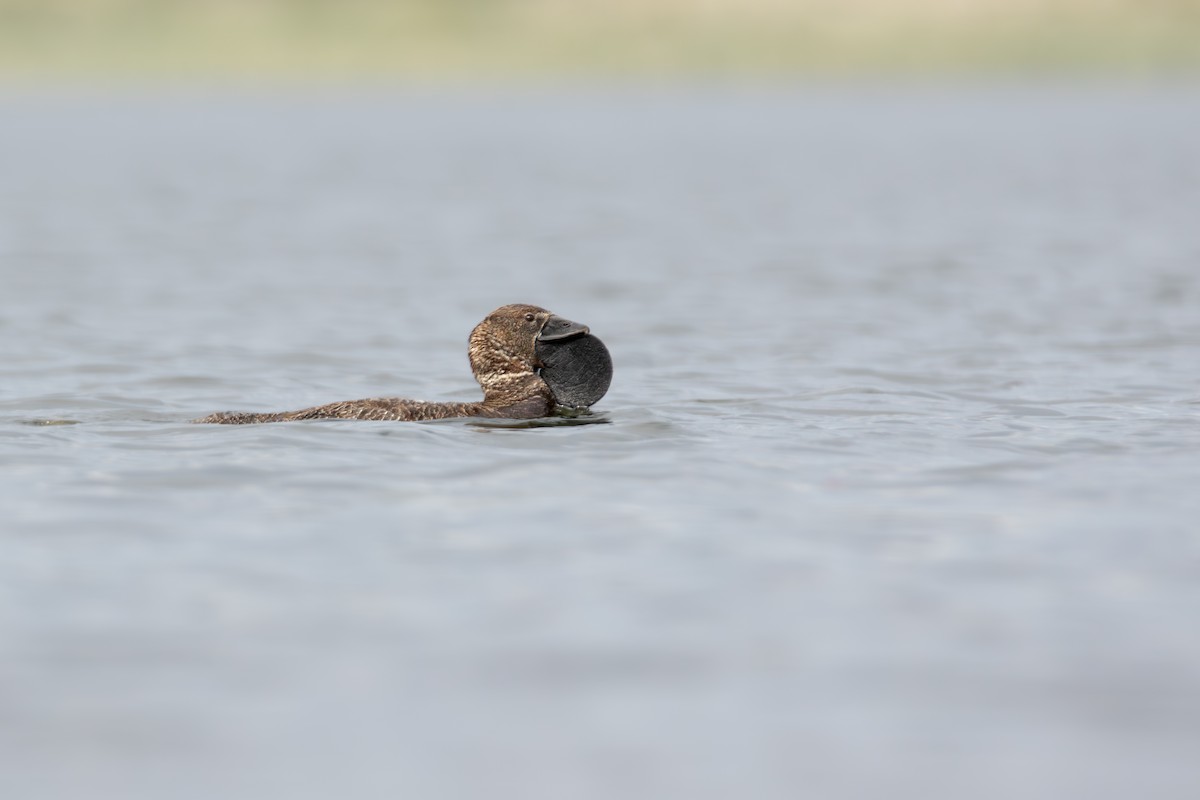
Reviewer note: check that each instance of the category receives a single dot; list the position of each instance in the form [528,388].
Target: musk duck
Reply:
[527,361]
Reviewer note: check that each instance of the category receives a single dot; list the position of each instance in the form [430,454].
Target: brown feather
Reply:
[503,359]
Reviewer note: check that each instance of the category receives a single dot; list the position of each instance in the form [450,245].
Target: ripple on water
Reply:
[915,466]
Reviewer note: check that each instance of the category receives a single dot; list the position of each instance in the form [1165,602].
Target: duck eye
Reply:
[529,317]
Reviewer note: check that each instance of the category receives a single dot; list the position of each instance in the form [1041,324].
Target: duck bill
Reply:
[558,329]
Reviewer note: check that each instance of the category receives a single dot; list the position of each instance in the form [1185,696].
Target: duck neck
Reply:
[517,395]
[512,386]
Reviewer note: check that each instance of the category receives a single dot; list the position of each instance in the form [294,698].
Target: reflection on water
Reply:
[564,421]
[897,468]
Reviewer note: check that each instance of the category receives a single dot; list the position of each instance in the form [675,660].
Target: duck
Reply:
[528,362]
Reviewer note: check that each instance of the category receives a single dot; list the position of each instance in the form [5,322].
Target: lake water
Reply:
[894,493]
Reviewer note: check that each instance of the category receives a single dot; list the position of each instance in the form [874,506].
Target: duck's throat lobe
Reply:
[577,370]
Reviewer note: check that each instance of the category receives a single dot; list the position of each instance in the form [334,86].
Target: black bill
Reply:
[557,329]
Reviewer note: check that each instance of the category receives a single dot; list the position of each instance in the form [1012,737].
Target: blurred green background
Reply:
[498,39]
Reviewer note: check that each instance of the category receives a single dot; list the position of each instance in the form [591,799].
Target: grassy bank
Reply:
[336,39]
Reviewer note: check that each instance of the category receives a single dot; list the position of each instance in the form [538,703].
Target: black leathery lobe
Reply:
[577,370]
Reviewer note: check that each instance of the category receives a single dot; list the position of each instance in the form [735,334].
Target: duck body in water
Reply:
[509,351]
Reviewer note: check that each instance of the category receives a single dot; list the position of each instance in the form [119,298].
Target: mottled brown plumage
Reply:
[502,350]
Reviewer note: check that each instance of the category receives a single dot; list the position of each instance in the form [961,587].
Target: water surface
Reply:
[895,490]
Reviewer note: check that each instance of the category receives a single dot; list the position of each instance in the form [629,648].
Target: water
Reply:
[894,491]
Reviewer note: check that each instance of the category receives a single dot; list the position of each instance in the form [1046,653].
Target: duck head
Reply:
[521,350]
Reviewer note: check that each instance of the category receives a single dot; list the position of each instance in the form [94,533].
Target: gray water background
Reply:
[894,493]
